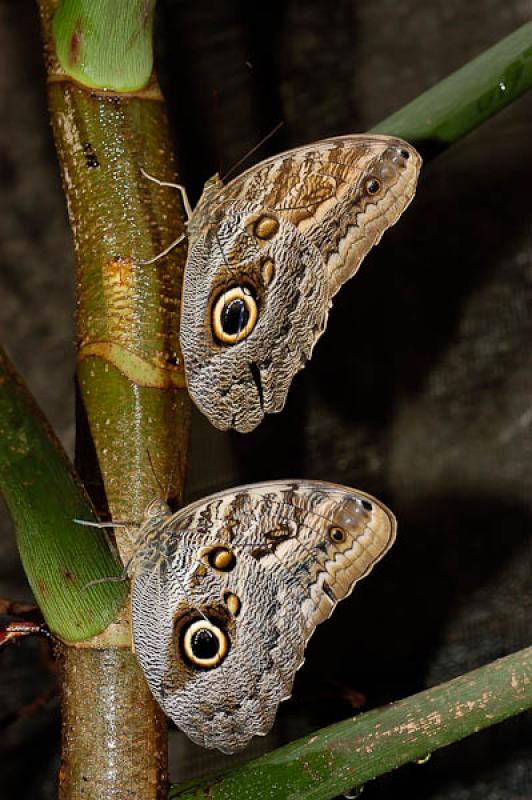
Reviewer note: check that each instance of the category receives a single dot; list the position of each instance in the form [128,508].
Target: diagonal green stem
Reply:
[347,755]
[468,97]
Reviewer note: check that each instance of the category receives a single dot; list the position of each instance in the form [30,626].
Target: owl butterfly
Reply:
[268,252]
[227,591]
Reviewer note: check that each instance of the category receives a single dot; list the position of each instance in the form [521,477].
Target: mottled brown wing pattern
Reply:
[268,252]
[323,191]
[222,614]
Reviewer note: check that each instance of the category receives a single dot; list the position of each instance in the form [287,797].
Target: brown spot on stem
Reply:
[119,294]
[119,270]
[74,51]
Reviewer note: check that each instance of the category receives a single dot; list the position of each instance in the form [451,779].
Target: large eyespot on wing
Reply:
[204,643]
[234,314]
[251,315]
[235,646]
[218,638]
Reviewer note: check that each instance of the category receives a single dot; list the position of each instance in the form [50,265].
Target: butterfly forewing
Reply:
[342,193]
[288,232]
[221,619]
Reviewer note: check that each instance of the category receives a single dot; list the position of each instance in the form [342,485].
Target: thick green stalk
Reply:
[468,97]
[44,497]
[130,371]
[347,755]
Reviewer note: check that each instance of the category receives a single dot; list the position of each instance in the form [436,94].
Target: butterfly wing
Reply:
[220,626]
[267,254]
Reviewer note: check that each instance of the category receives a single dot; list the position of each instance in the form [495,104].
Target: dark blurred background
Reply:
[420,392]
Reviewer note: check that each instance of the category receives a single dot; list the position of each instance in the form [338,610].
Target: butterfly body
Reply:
[227,592]
[268,252]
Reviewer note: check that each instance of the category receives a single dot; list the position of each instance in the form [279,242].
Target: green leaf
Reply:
[44,497]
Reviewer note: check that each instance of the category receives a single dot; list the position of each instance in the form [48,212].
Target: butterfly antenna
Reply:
[154,473]
[253,150]
[172,475]
[218,126]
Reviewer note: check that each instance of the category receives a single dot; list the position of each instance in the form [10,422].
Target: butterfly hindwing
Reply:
[268,252]
[221,619]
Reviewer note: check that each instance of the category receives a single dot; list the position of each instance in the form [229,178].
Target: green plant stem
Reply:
[122,753]
[468,97]
[130,370]
[351,753]
[130,378]
[44,497]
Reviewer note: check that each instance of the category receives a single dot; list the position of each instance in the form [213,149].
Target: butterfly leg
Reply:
[90,524]
[163,252]
[178,186]
[188,211]
[111,579]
